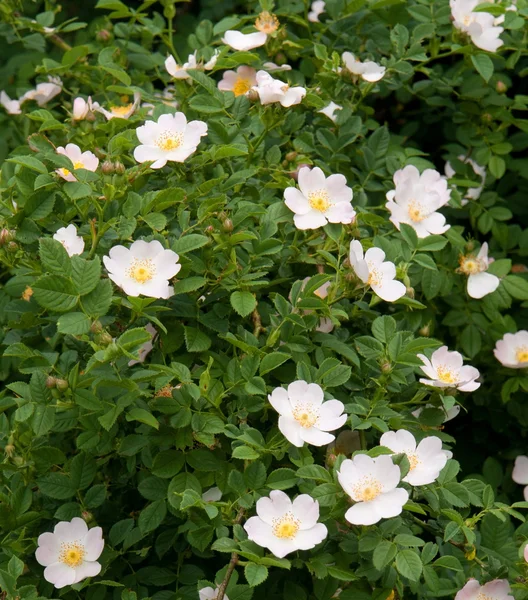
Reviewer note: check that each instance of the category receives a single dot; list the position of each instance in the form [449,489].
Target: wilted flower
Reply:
[274,90]
[472,193]
[171,138]
[446,370]
[450,413]
[372,484]
[120,112]
[498,589]
[319,199]
[146,348]
[377,272]
[368,70]
[267,22]
[480,26]
[330,110]
[317,8]
[479,283]
[304,414]
[208,593]
[81,160]
[283,526]
[70,553]
[520,473]
[44,92]
[144,269]
[67,236]
[426,459]
[271,66]
[416,200]
[239,82]
[12,106]
[244,41]
[512,350]
[82,108]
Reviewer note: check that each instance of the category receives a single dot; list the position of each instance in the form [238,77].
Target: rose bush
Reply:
[262,300]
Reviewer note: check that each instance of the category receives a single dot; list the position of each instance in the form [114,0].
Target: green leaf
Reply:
[409,565]
[86,274]
[152,516]
[516,286]
[56,485]
[189,284]
[42,419]
[97,302]
[30,162]
[484,65]
[54,256]
[196,340]
[409,235]
[432,243]
[107,63]
[82,471]
[244,303]
[156,221]
[168,463]
[55,292]
[272,361]
[255,574]
[193,241]
[77,190]
[497,166]
[384,553]
[143,416]
[282,479]
[75,323]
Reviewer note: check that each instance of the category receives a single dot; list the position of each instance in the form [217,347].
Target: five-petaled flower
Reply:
[372,484]
[376,272]
[498,589]
[512,350]
[70,553]
[426,459]
[416,200]
[520,473]
[479,283]
[319,199]
[283,526]
[480,26]
[67,236]
[239,82]
[81,160]
[369,70]
[304,414]
[272,90]
[124,111]
[446,370]
[171,138]
[144,269]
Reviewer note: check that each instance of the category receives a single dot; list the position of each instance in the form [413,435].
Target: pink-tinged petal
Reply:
[435,224]
[400,441]
[291,430]
[482,284]
[60,575]
[309,538]
[386,472]
[297,391]
[87,569]
[149,153]
[306,510]
[428,368]
[280,401]
[296,201]
[315,437]
[312,220]
[390,291]
[470,591]
[498,589]
[48,549]
[311,180]
[519,474]
[70,531]
[274,507]
[356,252]
[341,213]
[93,544]
[166,263]
[293,96]
[337,187]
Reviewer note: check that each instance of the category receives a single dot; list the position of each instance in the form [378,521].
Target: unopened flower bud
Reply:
[410,292]
[119,167]
[6,236]
[62,385]
[330,459]
[50,382]
[228,225]
[104,338]
[487,118]
[107,167]
[252,95]
[500,87]
[470,553]
[96,327]
[519,268]
[103,35]
[386,366]
[12,247]
[425,331]
[281,58]
[209,229]
[87,516]
[222,216]
[291,156]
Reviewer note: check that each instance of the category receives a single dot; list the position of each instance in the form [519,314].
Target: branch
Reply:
[232,563]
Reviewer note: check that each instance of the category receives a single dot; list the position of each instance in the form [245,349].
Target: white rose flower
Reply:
[143,269]
[170,138]
[146,348]
[239,82]
[271,66]
[426,459]
[368,70]
[320,200]
[213,494]
[120,112]
[520,473]
[446,370]
[81,160]
[274,90]
[377,272]
[317,8]
[416,200]
[512,350]
[472,193]
[480,26]
[211,63]
[305,416]
[244,41]
[283,526]
[330,110]
[372,484]
[180,71]
[498,589]
[12,106]
[67,236]
[44,92]
[325,323]
[70,553]
[208,593]
[81,108]
[479,283]
[450,413]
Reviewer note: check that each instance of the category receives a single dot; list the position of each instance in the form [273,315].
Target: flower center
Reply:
[319,200]
[368,488]
[522,354]
[286,527]
[413,459]
[446,375]
[306,415]
[78,165]
[415,211]
[169,140]
[471,265]
[72,554]
[482,596]
[266,22]
[120,111]
[375,277]
[467,20]
[241,87]
[141,270]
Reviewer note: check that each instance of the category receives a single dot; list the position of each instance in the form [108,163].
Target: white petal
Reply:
[316,437]
[241,41]
[60,575]
[291,430]
[306,510]
[280,401]
[306,539]
[87,569]
[93,544]
[70,531]
[296,201]
[312,220]
[482,284]
[520,471]
[274,507]
[48,549]
[399,441]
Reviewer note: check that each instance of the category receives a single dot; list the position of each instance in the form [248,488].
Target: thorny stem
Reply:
[232,563]
[255,316]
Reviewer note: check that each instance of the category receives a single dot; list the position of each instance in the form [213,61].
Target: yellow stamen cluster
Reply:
[267,22]
[27,293]
[141,270]
[120,111]
[522,354]
[366,489]
[286,527]
[470,265]
[446,375]
[72,554]
[241,87]
[415,210]
[306,415]
[319,200]
[169,140]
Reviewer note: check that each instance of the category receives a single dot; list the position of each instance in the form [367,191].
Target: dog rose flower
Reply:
[512,350]
[317,8]
[330,110]
[180,71]
[377,272]
[121,112]
[304,414]
[171,138]
[479,283]
[67,236]
[480,26]
[451,413]
[520,473]
[283,526]
[368,70]
[244,41]
[320,199]
[81,160]
[70,553]
[12,106]
[416,200]
[239,82]
[274,90]
[144,269]
[372,484]
[446,370]
[498,589]
[208,593]
[472,193]
[426,459]
[44,92]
